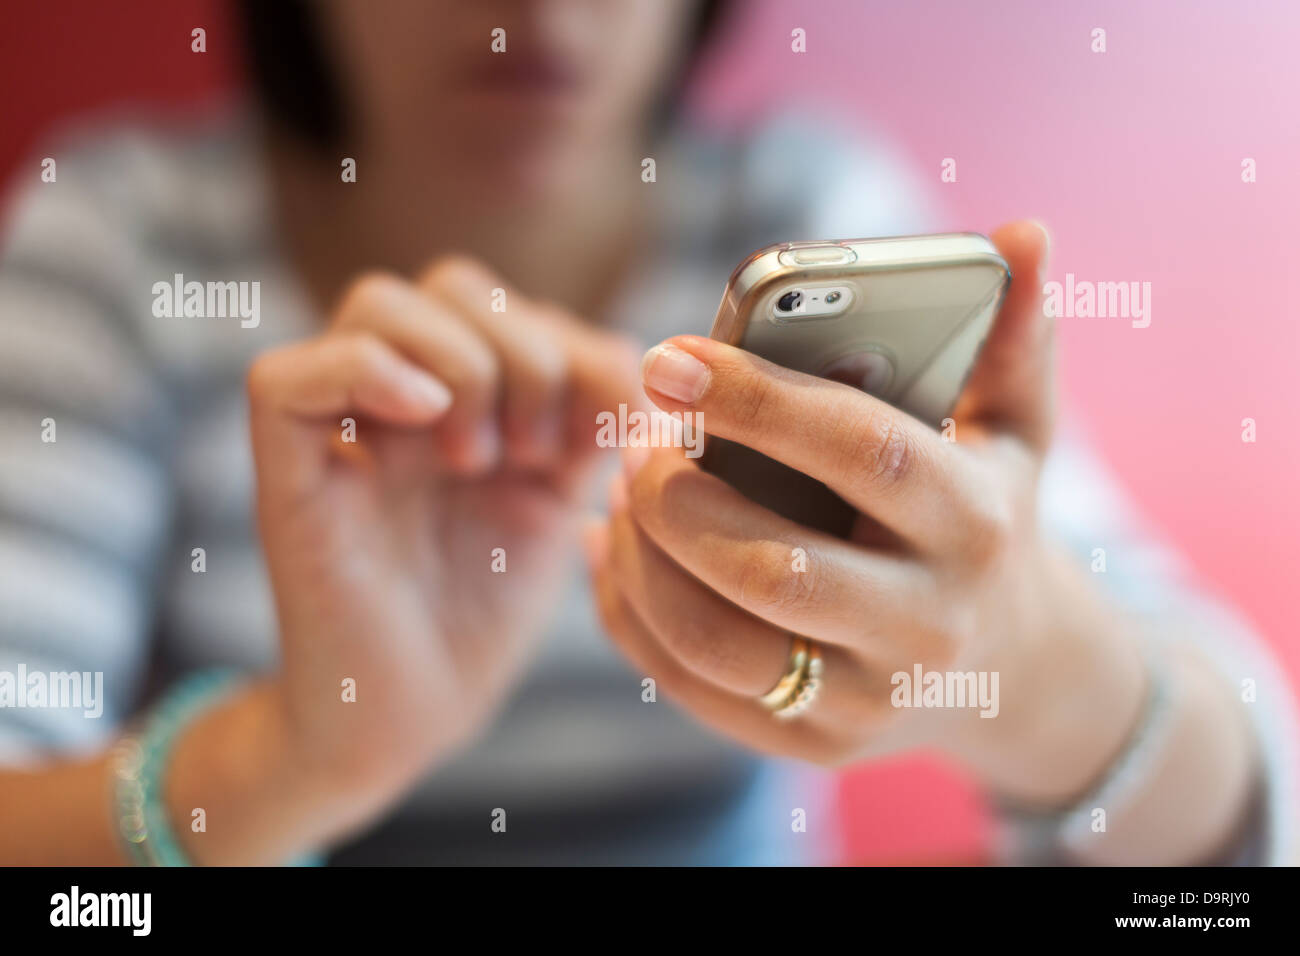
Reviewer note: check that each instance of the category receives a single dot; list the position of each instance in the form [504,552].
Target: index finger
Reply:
[602,370]
[881,460]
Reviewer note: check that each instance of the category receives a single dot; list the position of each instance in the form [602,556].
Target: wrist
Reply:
[1185,802]
[261,803]
[1072,689]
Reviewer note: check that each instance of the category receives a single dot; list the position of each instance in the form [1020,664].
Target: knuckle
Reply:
[881,451]
[991,527]
[752,395]
[263,374]
[665,499]
[768,581]
[370,355]
[647,499]
[938,644]
[894,455]
[454,269]
[475,374]
[480,368]
[367,293]
[694,642]
[547,366]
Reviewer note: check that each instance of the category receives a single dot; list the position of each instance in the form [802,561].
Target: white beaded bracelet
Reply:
[1052,836]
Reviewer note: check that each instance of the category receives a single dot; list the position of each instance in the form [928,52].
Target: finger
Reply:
[432,337]
[880,605]
[718,641]
[1011,388]
[879,459]
[742,718]
[297,391]
[709,636]
[533,360]
[604,373]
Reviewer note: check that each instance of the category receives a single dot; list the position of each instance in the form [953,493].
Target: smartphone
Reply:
[902,318]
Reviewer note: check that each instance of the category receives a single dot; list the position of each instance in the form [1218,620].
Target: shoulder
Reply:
[93,196]
[132,206]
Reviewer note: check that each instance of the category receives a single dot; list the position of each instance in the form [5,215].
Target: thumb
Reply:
[1012,386]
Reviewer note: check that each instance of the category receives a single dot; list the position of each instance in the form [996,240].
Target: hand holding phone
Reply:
[901,318]
[944,565]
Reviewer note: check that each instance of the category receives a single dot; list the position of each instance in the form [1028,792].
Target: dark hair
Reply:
[291,72]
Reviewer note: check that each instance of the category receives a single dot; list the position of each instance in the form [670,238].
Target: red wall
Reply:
[60,58]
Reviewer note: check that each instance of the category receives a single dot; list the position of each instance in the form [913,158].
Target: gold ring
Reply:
[795,691]
[807,690]
[785,688]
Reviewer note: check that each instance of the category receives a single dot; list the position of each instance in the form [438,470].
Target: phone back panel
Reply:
[922,304]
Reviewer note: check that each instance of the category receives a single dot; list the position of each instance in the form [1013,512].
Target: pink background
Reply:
[1132,158]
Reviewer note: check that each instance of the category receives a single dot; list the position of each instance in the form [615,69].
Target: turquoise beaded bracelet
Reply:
[140,762]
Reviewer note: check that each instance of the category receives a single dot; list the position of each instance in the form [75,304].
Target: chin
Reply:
[520,169]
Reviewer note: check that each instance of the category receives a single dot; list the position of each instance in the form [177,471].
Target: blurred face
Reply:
[505,95]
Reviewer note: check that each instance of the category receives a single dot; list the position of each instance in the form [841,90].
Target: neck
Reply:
[568,243]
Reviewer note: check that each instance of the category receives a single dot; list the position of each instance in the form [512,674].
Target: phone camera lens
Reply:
[790,302]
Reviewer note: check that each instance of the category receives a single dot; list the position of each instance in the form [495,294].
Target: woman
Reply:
[449,215]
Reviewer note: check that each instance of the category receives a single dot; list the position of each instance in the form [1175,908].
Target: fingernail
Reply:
[634,458]
[670,371]
[1047,250]
[427,390]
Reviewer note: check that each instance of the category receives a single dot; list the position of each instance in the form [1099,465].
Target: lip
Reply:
[525,74]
